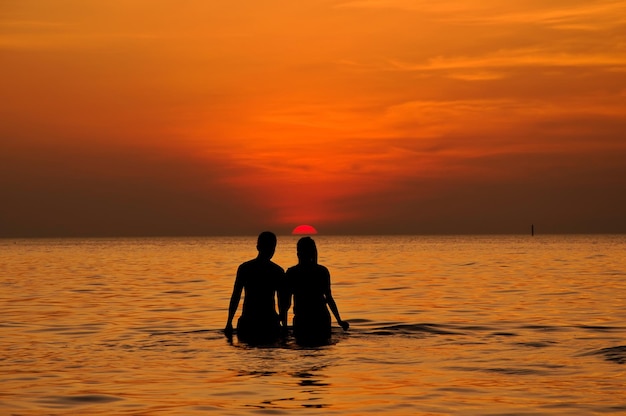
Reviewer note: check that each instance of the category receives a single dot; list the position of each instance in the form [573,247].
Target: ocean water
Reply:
[468,325]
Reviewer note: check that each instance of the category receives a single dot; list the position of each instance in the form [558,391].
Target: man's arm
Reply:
[234,304]
[284,300]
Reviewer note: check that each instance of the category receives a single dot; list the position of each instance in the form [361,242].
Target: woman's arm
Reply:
[333,305]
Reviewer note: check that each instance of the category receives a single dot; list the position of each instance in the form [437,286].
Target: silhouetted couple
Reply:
[263,280]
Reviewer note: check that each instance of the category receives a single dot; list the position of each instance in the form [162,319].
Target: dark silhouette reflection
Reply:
[314,385]
[309,284]
[260,279]
[307,379]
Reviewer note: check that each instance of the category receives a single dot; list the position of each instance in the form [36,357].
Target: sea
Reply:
[439,325]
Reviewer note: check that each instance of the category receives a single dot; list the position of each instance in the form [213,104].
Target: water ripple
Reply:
[613,354]
[85,399]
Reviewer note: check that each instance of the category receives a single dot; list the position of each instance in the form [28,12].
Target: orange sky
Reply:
[200,117]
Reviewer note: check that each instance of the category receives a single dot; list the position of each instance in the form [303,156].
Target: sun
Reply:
[304,229]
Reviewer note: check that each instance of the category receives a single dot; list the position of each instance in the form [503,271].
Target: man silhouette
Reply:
[260,279]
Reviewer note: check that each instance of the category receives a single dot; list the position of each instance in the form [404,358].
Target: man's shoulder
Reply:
[248,264]
[256,264]
[277,267]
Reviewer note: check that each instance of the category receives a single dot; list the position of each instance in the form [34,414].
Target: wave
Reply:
[613,354]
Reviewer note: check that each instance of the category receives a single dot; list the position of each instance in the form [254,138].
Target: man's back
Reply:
[260,280]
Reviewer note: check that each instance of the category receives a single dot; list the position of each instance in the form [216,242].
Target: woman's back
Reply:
[309,284]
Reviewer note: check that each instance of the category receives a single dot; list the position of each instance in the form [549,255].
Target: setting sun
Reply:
[304,230]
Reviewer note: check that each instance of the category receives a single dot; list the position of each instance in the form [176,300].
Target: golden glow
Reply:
[335,113]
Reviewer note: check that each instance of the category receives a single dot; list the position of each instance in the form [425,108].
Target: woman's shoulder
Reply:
[322,268]
[308,268]
[294,269]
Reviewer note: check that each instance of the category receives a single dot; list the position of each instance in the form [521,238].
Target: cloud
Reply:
[565,15]
[443,7]
[515,58]
[86,190]
[585,16]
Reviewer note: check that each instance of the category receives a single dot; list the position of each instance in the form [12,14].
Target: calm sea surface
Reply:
[484,325]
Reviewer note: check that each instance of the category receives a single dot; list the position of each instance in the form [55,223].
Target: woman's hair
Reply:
[307,250]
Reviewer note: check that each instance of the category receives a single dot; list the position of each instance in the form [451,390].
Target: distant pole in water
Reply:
[532,229]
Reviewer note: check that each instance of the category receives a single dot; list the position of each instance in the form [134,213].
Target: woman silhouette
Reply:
[309,284]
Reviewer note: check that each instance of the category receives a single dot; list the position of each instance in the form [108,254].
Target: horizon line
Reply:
[145,236]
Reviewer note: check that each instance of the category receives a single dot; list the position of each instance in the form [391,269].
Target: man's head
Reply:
[266,244]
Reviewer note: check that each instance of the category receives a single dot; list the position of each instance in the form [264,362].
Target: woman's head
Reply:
[307,251]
